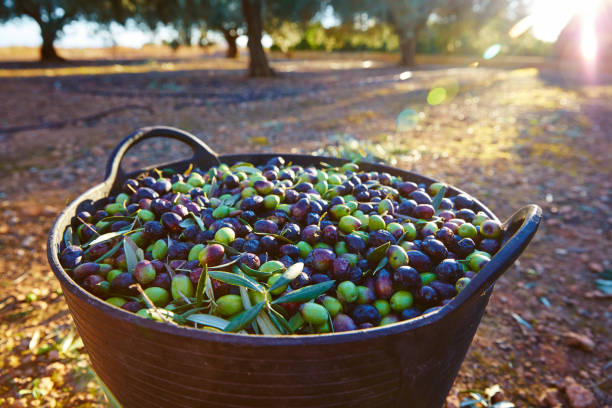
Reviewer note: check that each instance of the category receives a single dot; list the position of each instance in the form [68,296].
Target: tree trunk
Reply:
[408,50]
[47,50]
[232,49]
[258,61]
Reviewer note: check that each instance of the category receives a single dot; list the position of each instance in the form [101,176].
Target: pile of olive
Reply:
[280,248]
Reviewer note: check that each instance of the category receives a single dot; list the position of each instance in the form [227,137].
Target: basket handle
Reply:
[202,154]
[519,229]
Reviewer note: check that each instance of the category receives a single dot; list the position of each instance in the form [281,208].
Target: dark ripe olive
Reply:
[271,175]
[423,211]
[363,264]
[383,284]
[366,314]
[363,326]
[355,275]
[171,221]
[300,208]
[181,210]
[300,281]
[446,215]
[194,275]
[238,244]
[465,214]
[451,226]
[340,269]
[462,201]
[97,250]
[160,206]
[289,250]
[343,322]
[291,196]
[146,192]
[253,203]
[406,277]
[366,208]
[410,313]
[191,265]
[406,207]
[251,260]
[251,245]
[303,187]
[385,179]
[87,232]
[464,247]
[291,231]
[318,278]
[132,306]
[204,236]
[269,245]
[311,234]
[177,178]
[379,237]
[322,259]
[121,284]
[426,296]
[148,181]
[420,197]
[211,255]
[330,234]
[208,219]
[266,226]
[220,288]
[177,263]
[419,261]
[162,186]
[277,161]
[444,290]
[249,216]
[434,249]
[120,225]
[130,185]
[71,256]
[411,245]
[231,181]
[445,235]
[489,245]
[312,218]
[84,270]
[132,208]
[193,207]
[448,271]
[190,233]
[365,295]
[354,244]
[96,285]
[446,204]
[99,215]
[178,250]
[162,280]
[406,187]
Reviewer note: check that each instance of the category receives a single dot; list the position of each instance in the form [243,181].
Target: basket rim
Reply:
[56,236]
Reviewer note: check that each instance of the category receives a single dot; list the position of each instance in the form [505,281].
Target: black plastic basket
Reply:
[151,364]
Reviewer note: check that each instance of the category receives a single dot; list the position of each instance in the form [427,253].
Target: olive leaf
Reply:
[131,253]
[257,274]
[198,221]
[201,285]
[243,319]
[186,223]
[111,235]
[246,303]
[247,169]
[223,266]
[114,218]
[379,253]
[437,200]
[306,293]
[208,320]
[290,274]
[68,236]
[381,264]
[402,238]
[277,236]
[111,252]
[279,321]
[236,280]
[231,200]
[296,322]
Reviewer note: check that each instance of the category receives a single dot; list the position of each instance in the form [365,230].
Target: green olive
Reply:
[229,305]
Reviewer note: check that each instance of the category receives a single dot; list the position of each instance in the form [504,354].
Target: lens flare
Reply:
[406,120]
[492,51]
[405,75]
[588,36]
[521,27]
[436,96]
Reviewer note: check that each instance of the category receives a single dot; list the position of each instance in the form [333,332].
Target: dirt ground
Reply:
[508,136]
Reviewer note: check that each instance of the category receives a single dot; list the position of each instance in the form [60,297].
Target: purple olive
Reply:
[340,269]
[448,271]
[84,270]
[383,284]
[366,314]
[444,290]
[266,227]
[122,284]
[132,306]
[171,221]
[434,249]
[322,259]
[419,261]
[311,234]
[343,322]
[406,277]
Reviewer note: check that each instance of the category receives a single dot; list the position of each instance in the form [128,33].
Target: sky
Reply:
[548,17]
